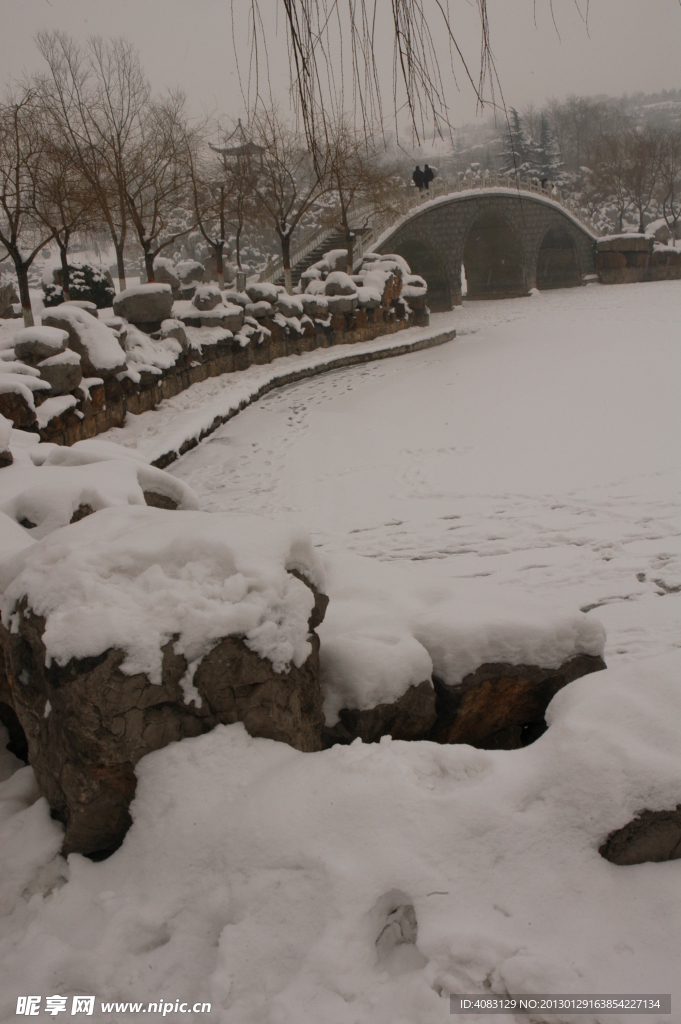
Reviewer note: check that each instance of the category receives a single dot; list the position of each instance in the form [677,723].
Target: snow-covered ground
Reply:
[532,464]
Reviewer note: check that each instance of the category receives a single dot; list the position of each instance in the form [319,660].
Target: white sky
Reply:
[631,45]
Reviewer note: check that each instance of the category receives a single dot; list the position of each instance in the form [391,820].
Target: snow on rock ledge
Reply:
[139,627]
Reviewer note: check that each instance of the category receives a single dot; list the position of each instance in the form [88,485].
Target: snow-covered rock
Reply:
[259,310]
[336,259]
[290,305]
[99,350]
[194,620]
[6,457]
[262,291]
[339,283]
[144,303]
[34,344]
[207,296]
[62,372]
[190,272]
[89,476]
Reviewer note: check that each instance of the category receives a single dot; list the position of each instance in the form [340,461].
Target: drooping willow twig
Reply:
[333,43]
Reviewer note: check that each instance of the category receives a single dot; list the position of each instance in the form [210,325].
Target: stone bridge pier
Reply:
[506,242]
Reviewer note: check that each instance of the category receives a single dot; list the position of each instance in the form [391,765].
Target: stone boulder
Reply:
[342,303]
[190,272]
[90,714]
[6,457]
[338,283]
[145,304]
[207,296]
[290,305]
[62,372]
[263,292]
[336,259]
[258,310]
[99,350]
[652,836]
[410,717]
[172,329]
[500,706]
[34,344]
[164,272]
[9,296]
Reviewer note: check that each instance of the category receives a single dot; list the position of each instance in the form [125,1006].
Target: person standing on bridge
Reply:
[418,178]
[428,175]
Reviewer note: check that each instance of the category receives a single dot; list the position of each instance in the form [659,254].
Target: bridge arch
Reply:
[424,260]
[557,260]
[493,258]
[532,235]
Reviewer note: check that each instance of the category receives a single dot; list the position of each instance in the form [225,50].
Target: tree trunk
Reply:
[65,283]
[286,256]
[121,269]
[238,249]
[220,267]
[349,245]
[149,267]
[24,294]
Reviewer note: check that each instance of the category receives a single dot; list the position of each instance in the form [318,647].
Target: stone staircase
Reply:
[332,241]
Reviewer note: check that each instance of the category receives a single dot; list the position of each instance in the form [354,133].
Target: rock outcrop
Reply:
[501,707]
[89,718]
[99,351]
[410,717]
[652,836]
[87,724]
[146,305]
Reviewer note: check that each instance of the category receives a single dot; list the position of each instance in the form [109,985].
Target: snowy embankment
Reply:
[467,502]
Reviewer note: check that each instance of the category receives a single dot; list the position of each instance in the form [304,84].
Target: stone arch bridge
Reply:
[508,240]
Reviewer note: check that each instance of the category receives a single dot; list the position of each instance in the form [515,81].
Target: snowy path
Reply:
[540,449]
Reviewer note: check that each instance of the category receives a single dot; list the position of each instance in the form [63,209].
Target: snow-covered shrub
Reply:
[85,283]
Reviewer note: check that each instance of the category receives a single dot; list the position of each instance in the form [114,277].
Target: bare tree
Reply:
[156,177]
[64,200]
[22,150]
[670,178]
[609,180]
[641,169]
[358,172]
[97,98]
[286,181]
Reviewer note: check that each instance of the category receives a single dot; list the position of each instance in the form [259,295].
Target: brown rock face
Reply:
[652,836]
[84,746]
[501,707]
[409,718]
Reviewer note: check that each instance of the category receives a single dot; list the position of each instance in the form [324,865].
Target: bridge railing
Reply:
[376,223]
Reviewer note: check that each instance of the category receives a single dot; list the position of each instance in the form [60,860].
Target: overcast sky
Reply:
[630,46]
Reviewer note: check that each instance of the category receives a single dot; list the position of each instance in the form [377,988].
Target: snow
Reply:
[53,407]
[389,626]
[66,358]
[466,502]
[53,337]
[5,433]
[47,483]
[103,349]
[145,289]
[22,384]
[187,415]
[133,578]
[149,354]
